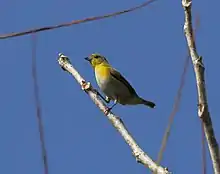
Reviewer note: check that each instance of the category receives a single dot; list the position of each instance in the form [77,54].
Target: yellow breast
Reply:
[102,71]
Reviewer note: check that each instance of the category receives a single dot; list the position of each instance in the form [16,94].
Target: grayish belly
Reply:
[115,90]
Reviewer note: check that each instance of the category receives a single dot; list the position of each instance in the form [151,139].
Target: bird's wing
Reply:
[120,78]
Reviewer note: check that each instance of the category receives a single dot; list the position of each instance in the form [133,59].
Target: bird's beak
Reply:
[88,59]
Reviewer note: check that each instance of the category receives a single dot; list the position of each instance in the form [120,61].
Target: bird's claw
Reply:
[107,99]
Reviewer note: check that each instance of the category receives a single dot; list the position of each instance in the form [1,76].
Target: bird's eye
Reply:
[96,56]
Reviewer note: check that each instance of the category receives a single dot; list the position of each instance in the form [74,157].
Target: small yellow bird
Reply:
[113,84]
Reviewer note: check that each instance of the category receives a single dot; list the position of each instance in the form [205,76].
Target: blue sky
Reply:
[147,46]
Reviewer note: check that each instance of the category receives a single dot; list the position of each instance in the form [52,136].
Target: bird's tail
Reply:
[148,103]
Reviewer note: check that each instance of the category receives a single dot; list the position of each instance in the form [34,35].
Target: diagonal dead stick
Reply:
[138,153]
[176,101]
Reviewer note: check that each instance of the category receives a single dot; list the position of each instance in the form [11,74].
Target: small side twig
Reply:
[138,153]
[199,69]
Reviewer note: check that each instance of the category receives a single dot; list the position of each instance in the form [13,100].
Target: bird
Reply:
[113,84]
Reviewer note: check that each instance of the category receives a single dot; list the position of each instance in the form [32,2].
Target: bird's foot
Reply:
[115,103]
[107,110]
[107,99]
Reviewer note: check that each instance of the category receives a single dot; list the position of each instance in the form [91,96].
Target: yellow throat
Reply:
[102,70]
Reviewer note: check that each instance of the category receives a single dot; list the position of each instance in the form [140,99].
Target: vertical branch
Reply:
[37,104]
[203,150]
[203,111]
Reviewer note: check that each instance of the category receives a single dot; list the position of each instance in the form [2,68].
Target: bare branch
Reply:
[35,30]
[203,150]
[138,153]
[199,69]
[176,106]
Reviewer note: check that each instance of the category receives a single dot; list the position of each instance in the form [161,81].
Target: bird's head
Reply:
[96,59]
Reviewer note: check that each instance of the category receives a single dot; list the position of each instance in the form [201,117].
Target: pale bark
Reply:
[138,153]
[203,111]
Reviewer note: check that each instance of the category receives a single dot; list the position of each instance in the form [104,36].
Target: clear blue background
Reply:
[147,46]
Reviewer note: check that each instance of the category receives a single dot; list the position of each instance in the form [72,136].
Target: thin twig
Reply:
[138,153]
[4,36]
[176,101]
[174,111]
[38,105]
[203,111]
